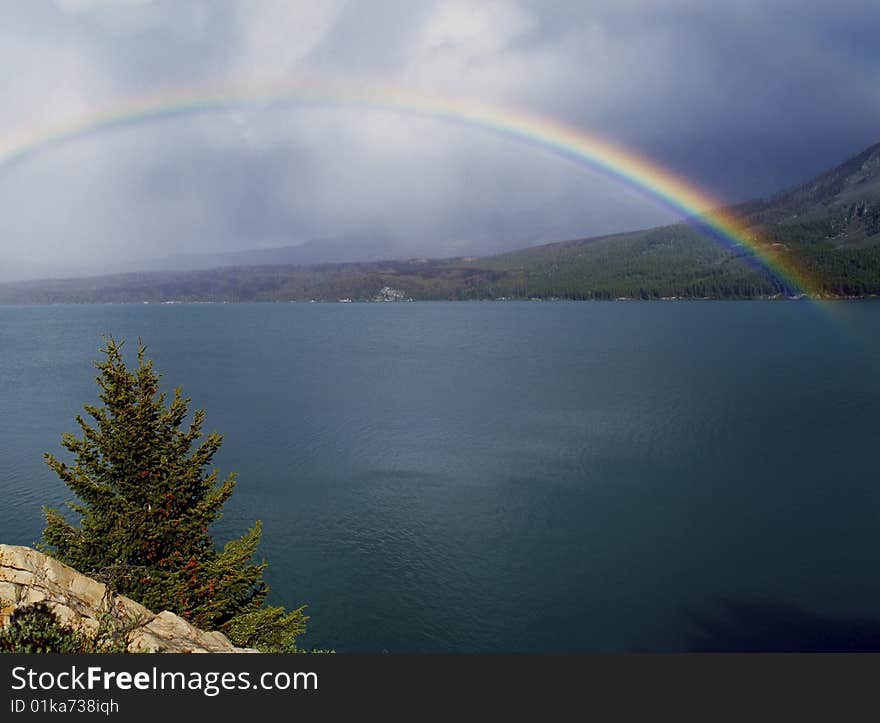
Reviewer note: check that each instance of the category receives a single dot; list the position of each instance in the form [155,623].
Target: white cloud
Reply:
[44,81]
[122,17]
[467,46]
[470,30]
[75,7]
[277,34]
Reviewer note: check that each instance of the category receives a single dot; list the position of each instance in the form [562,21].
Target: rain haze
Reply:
[742,101]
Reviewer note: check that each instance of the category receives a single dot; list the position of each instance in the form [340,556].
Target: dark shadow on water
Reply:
[755,626]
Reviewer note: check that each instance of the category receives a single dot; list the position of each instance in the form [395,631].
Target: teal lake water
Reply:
[511,476]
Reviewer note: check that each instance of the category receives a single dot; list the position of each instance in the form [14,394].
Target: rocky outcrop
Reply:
[28,576]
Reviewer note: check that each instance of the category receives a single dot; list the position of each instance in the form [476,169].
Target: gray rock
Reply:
[28,576]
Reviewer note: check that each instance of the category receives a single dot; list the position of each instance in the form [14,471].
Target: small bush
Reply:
[36,629]
[269,629]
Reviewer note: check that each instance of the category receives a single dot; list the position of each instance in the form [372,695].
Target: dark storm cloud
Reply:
[743,98]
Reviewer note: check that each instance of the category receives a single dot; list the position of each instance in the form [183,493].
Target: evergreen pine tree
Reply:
[147,499]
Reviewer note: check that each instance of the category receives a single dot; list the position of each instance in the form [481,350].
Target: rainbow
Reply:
[574,144]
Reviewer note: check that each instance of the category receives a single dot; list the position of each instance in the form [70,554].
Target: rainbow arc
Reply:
[575,144]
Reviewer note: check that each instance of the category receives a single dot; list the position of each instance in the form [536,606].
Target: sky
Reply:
[742,98]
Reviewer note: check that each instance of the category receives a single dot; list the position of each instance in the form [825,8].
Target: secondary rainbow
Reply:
[573,143]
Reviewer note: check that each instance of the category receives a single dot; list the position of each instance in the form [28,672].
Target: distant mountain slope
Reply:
[367,247]
[829,226]
[318,251]
[673,260]
[845,199]
[448,279]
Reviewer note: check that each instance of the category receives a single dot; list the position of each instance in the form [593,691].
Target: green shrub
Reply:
[270,629]
[35,629]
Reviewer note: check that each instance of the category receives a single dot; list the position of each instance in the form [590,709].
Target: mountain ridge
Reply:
[847,194]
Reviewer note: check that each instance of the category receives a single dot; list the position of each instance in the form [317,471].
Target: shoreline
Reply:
[801,298]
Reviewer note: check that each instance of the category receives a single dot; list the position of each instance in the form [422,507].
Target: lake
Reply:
[511,476]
